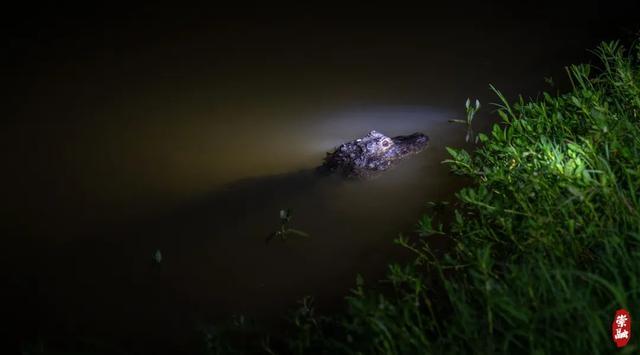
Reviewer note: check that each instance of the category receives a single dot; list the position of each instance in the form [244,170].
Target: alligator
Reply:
[371,154]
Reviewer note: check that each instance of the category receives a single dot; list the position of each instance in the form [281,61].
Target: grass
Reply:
[545,242]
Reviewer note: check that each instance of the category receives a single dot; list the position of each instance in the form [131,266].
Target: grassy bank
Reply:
[545,244]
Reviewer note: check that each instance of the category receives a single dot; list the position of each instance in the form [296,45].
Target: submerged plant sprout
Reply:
[285,232]
[157,256]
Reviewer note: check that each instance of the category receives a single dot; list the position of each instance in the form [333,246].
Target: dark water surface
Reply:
[190,138]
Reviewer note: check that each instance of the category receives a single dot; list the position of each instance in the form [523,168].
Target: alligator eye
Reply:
[385,143]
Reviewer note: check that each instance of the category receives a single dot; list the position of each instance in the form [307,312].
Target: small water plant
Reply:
[284,231]
[471,112]
[157,256]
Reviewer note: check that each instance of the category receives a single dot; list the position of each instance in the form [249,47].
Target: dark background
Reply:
[42,39]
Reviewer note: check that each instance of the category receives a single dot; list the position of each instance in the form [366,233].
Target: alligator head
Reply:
[372,153]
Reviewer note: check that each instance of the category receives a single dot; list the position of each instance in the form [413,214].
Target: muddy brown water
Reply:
[190,142]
